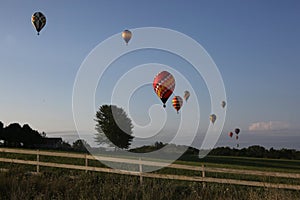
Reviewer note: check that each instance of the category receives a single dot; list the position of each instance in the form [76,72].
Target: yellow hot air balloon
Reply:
[126,35]
[177,103]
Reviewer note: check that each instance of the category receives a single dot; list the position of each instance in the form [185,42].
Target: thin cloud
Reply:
[269,126]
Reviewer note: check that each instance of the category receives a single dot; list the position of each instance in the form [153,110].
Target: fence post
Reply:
[141,171]
[37,161]
[86,163]
[203,176]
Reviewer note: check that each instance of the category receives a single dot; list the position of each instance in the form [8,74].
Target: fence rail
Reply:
[142,174]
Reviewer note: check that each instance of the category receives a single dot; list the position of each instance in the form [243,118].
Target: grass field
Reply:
[79,185]
[264,164]
[54,183]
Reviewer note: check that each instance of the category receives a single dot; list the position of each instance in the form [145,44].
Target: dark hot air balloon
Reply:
[38,20]
[223,104]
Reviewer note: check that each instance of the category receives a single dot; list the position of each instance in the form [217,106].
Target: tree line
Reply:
[15,135]
[114,128]
[257,152]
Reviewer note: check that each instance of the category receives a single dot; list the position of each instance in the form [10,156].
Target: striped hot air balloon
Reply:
[38,20]
[177,103]
[164,85]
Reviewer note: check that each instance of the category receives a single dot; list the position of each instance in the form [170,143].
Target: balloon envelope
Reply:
[230,134]
[126,35]
[164,85]
[177,103]
[186,95]
[213,118]
[237,130]
[38,20]
[223,104]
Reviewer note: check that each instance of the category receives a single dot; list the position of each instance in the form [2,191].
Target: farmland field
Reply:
[79,185]
[56,183]
[280,165]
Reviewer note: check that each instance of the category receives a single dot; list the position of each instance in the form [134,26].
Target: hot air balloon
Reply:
[126,35]
[223,104]
[230,134]
[237,131]
[186,95]
[213,118]
[177,103]
[164,85]
[38,20]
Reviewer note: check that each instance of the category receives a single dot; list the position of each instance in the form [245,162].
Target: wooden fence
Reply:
[201,169]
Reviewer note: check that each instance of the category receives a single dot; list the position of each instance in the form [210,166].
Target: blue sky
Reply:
[255,45]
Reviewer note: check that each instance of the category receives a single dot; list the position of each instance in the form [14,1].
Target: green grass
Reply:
[235,162]
[273,165]
[16,184]
[266,164]
[55,183]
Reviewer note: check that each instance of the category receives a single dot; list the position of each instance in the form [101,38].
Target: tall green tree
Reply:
[113,122]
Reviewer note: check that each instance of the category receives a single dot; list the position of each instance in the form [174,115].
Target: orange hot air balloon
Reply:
[177,103]
[230,134]
[164,85]
[126,35]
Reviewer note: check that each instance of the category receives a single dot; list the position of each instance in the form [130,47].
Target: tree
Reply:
[256,151]
[30,137]
[81,145]
[113,123]
[1,129]
[16,136]
[12,135]
[1,133]
[65,146]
